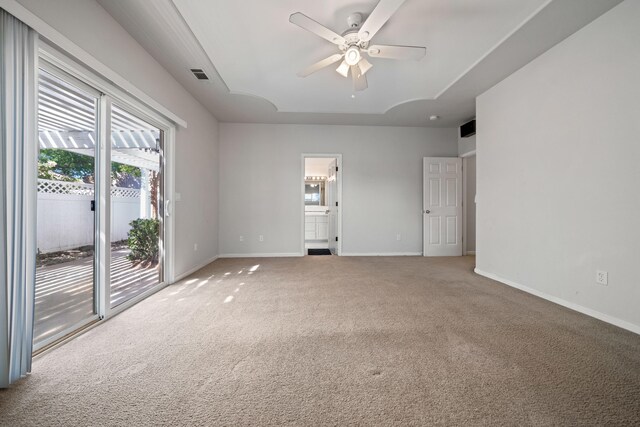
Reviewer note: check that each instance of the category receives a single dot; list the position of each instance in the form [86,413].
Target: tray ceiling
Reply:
[252,54]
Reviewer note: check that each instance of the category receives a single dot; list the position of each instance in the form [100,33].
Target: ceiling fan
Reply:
[354,43]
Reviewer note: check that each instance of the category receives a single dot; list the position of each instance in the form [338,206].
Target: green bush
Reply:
[143,239]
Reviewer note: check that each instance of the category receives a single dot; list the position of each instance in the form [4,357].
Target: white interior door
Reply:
[442,206]
[332,202]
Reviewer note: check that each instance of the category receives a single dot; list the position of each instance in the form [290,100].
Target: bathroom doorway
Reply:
[322,204]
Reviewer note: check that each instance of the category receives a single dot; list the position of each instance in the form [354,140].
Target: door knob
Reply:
[427,211]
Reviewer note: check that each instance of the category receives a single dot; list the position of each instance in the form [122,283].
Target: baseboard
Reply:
[573,306]
[470,253]
[194,269]
[263,255]
[381,254]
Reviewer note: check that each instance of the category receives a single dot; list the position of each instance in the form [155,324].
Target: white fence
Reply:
[65,219]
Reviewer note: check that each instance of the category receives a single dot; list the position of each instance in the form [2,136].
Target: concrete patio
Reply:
[65,292]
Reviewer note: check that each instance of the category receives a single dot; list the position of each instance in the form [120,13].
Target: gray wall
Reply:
[466,145]
[90,27]
[558,155]
[260,185]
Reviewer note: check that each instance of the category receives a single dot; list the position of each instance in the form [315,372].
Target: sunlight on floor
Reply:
[210,280]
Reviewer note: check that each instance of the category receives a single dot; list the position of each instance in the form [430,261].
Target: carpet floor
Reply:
[337,341]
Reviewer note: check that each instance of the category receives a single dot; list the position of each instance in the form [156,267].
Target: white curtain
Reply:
[18,173]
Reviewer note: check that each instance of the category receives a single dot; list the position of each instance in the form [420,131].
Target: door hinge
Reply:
[336,203]
[336,169]
[336,238]
[93,206]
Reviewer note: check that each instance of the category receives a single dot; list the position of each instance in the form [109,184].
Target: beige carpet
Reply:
[336,341]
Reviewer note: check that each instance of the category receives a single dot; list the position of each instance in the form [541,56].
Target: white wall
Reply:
[89,26]
[260,184]
[558,175]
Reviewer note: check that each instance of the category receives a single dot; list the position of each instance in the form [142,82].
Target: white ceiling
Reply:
[252,54]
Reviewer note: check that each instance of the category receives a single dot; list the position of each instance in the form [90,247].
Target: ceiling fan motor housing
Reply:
[354,20]
[351,36]
[352,39]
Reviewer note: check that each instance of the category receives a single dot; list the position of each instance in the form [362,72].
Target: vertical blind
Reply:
[18,173]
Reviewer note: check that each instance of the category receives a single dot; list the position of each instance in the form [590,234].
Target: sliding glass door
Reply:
[137,221]
[66,225]
[100,206]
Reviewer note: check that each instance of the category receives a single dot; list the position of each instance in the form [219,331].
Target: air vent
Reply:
[200,75]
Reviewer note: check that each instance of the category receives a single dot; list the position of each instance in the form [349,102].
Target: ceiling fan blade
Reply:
[397,52]
[364,66]
[359,79]
[378,18]
[304,22]
[343,69]
[320,64]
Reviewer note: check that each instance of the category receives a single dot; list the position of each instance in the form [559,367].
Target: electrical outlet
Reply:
[602,277]
[398,237]
[242,238]
[261,238]
[195,246]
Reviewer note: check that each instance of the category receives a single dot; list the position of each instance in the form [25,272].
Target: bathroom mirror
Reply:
[314,193]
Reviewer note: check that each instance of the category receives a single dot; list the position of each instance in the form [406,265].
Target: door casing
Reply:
[338,158]
[465,216]
[333,206]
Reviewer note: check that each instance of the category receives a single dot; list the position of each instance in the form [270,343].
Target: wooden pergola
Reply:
[67,121]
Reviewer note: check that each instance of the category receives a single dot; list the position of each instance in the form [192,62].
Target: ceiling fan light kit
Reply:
[352,55]
[354,42]
[364,66]
[343,69]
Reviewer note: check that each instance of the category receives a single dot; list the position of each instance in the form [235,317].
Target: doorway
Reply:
[321,204]
[65,291]
[136,216]
[469,202]
[100,206]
